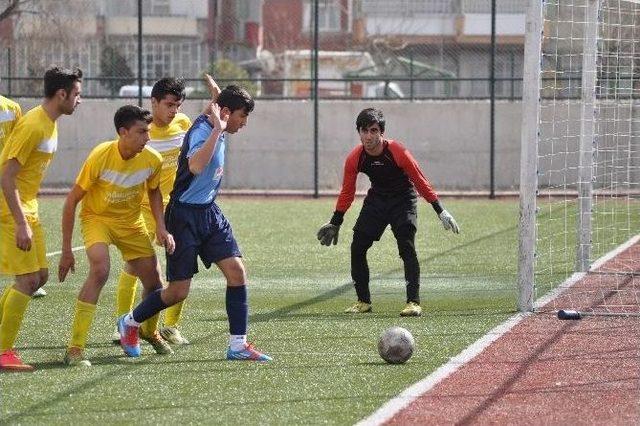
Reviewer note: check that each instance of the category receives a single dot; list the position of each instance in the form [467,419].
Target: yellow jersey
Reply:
[115,186]
[32,142]
[167,140]
[10,112]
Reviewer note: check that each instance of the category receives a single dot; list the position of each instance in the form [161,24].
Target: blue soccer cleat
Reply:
[249,353]
[129,339]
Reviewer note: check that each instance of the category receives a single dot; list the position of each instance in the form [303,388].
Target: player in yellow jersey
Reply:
[10,113]
[111,184]
[23,162]
[167,131]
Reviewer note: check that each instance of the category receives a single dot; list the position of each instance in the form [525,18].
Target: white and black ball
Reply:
[396,345]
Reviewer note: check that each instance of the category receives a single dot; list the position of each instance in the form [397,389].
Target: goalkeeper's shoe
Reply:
[358,308]
[75,358]
[129,339]
[10,361]
[173,336]
[411,310]
[39,293]
[160,345]
[249,353]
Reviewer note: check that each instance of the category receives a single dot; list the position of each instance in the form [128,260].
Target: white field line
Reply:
[406,397]
[55,253]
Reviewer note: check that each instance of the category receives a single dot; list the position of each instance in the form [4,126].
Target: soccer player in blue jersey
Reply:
[201,229]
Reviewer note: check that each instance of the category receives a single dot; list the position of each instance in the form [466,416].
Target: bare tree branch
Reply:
[10,9]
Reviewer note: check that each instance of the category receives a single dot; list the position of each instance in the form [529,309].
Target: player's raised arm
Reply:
[67,260]
[212,86]
[199,160]
[214,91]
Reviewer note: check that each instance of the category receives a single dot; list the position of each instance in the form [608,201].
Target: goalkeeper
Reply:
[395,177]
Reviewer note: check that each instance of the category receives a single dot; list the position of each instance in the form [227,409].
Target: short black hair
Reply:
[235,97]
[368,117]
[56,78]
[127,115]
[168,86]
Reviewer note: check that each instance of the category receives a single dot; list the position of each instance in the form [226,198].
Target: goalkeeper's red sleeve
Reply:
[348,191]
[406,162]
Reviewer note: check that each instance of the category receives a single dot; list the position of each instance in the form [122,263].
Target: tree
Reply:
[226,72]
[11,7]
[114,64]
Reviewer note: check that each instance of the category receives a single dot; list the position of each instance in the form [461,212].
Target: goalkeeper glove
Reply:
[328,233]
[449,222]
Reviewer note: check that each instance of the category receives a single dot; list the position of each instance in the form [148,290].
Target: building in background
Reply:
[398,48]
[101,38]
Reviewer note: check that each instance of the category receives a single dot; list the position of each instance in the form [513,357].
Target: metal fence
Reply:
[400,49]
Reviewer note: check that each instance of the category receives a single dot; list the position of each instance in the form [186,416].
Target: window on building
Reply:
[329,12]
[157,7]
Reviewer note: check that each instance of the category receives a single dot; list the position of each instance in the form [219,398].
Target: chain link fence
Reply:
[411,49]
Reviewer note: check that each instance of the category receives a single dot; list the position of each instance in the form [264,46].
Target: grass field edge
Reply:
[406,397]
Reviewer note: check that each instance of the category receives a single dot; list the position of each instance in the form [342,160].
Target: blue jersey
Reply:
[202,188]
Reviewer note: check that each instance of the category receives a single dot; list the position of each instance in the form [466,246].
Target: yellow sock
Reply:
[150,326]
[126,293]
[15,305]
[82,323]
[3,298]
[173,314]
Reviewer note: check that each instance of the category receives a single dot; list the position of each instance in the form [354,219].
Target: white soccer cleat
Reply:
[39,293]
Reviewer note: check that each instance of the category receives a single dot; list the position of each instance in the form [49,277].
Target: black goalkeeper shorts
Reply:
[379,211]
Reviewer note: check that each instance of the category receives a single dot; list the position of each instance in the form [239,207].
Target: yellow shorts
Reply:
[149,222]
[131,239]
[14,261]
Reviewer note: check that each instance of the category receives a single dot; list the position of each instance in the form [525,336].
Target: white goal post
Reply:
[580,155]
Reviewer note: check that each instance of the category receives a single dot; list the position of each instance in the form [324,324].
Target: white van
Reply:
[378,90]
[132,91]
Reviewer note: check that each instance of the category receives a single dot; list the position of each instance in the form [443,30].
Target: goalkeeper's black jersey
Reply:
[393,172]
[387,178]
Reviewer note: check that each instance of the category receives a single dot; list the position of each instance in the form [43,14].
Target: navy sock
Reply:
[237,310]
[150,306]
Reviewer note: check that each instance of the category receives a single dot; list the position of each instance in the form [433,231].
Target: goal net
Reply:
[580,169]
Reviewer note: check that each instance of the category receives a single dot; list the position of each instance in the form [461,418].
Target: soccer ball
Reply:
[396,345]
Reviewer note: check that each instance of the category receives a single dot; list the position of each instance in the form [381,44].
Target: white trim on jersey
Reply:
[125,180]
[163,145]
[7,116]
[49,145]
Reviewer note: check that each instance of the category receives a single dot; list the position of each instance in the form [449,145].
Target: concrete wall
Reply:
[449,139]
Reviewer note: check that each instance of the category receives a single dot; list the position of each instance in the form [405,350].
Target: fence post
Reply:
[316,11]
[9,74]
[140,53]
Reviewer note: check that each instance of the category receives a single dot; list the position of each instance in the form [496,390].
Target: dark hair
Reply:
[235,97]
[56,78]
[368,117]
[168,86]
[126,116]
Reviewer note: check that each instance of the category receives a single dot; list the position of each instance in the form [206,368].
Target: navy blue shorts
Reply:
[198,231]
